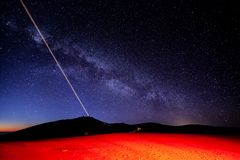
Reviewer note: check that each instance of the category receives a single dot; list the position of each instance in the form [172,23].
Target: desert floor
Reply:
[130,146]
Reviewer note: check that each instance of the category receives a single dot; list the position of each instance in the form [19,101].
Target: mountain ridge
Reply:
[82,126]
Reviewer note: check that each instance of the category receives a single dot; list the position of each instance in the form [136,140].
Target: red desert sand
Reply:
[125,146]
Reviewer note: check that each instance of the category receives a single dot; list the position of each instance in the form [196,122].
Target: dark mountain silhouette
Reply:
[90,126]
[2,133]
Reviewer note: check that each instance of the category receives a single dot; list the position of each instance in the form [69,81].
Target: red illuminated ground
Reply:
[125,146]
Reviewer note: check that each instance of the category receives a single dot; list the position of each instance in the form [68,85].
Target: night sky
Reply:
[171,62]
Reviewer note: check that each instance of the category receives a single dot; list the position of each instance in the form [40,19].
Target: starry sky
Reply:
[171,62]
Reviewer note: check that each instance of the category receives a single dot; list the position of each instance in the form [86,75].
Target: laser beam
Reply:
[54,57]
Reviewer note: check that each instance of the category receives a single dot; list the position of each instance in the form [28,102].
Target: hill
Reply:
[90,126]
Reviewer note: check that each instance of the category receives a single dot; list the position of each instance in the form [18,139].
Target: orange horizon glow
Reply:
[10,127]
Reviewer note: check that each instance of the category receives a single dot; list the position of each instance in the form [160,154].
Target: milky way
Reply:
[172,63]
